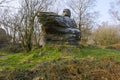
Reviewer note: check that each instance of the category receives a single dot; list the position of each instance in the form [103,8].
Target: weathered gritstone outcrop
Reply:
[59,28]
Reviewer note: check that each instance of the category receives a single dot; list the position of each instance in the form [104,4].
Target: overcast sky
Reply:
[102,7]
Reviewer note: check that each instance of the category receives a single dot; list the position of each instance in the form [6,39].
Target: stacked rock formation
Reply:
[59,28]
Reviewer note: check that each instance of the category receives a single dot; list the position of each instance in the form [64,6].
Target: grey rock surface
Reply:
[59,24]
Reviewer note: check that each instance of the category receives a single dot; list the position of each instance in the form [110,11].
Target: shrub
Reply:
[114,46]
[12,48]
[4,37]
[106,35]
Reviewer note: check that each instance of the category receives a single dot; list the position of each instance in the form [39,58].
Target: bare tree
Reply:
[84,14]
[114,10]
[23,26]
[4,18]
[3,1]
[27,14]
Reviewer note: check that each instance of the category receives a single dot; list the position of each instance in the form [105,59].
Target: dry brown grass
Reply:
[71,69]
[114,46]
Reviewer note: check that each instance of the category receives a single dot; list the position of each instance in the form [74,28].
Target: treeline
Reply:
[24,29]
[23,26]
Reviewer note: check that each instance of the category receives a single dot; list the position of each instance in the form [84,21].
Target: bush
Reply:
[4,37]
[114,46]
[12,48]
[106,35]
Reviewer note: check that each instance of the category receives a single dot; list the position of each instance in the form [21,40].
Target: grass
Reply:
[60,60]
[30,59]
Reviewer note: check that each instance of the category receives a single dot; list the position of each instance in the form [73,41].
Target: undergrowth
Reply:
[26,61]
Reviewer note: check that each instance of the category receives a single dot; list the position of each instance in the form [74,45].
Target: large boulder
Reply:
[54,23]
[63,27]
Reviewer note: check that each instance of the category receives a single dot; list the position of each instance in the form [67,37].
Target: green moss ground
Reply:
[30,59]
[69,59]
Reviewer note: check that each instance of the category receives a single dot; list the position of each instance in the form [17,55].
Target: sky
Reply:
[102,6]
